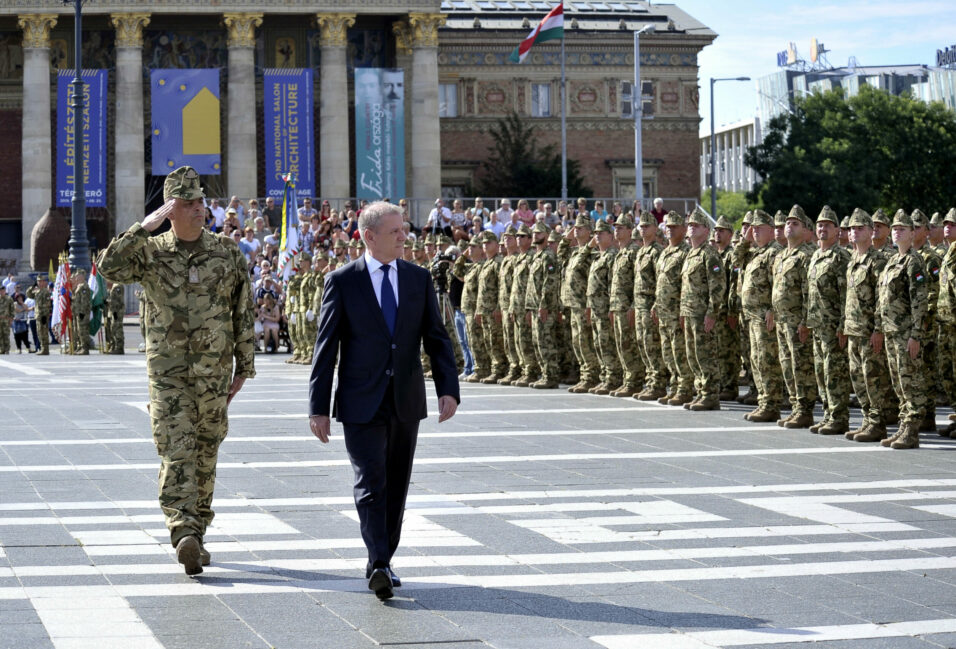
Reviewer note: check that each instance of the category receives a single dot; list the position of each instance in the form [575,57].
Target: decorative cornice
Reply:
[242,29]
[333,28]
[425,28]
[466,125]
[36,29]
[129,29]
[403,37]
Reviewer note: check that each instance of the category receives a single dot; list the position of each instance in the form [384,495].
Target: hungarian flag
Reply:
[289,244]
[98,290]
[551,28]
[61,300]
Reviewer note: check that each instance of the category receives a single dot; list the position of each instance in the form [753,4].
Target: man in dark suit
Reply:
[376,314]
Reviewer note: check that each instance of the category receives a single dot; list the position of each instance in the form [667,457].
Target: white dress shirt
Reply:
[375,272]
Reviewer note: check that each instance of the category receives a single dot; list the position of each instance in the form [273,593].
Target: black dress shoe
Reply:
[381,583]
[396,582]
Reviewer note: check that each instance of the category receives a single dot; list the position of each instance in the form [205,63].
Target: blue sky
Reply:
[751,32]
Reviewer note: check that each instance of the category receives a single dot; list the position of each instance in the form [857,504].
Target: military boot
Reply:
[204,557]
[871,433]
[834,428]
[584,387]
[523,381]
[801,420]
[507,379]
[820,424]
[909,436]
[783,422]
[928,425]
[749,399]
[892,438]
[187,553]
[491,379]
[707,403]
[680,399]
[601,389]
[544,384]
[664,398]
[624,391]
[950,431]
[952,417]
[763,414]
[573,389]
[473,378]
[729,394]
[850,434]
[696,399]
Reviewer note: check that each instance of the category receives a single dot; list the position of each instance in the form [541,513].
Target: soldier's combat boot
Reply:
[623,391]
[601,389]
[763,414]
[872,433]
[523,381]
[952,417]
[204,554]
[801,420]
[783,421]
[651,394]
[749,399]
[950,431]
[707,403]
[664,398]
[507,379]
[688,404]
[583,387]
[491,379]
[820,424]
[909,436]
[573,389]
[188,554]
[892,438]
[928,425]
[834,428]
[544,384]
[850,434]
[680,399]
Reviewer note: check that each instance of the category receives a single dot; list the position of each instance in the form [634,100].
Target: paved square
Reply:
[537,519]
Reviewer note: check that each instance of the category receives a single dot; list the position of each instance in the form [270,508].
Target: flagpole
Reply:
[564,128]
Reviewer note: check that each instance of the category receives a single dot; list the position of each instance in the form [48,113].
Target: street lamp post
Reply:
[79,245]
[713,145]
[637,107]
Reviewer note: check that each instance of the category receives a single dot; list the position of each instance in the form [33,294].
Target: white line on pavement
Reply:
[29,370]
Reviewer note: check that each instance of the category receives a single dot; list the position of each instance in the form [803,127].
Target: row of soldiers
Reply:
[615,310]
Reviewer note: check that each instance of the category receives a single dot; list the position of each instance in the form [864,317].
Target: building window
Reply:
[541,100]
[647,99]
[448,100]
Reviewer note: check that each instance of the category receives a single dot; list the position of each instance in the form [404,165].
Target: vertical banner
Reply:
[289,146]
[93,146]
[379,133]
[185,120]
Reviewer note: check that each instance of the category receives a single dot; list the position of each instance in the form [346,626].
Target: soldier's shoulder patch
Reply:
[919,277]
[935,271]
[716,268]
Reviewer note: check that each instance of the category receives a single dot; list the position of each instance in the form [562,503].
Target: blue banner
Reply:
[287,104]
[94,137]
[379,133]
[185,120]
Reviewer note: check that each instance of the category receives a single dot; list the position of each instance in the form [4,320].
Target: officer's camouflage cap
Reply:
[583,221]
[919,219]
[524,230]
[305,257]
[859,217]
[879,216]
[360,243]
[697,217]
[603,226]
[950,216]
[408,243]
[475,242]
[554,237]
[636,234]
[647,219]
[845,223]
[183,183]
[796,212]
[418,245]
[723,223]
[779,219]
[444,240]
[487,237]
[430,238]
[339,244]
[760,217]
[624,221]
[509,232]
[540,227]
[903,219]
[748,218]
[353,244]
[827,214]
[936,220]
[673,218]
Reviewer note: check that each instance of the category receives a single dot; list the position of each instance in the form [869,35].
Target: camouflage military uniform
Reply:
[475,329]
[757,301]
[7,311]
[199,306]
[505,279]
[574,298]
[741,256]
[622,306]
[141,296]
[790,313]
[291,297]
[599,302]
[523,338]
[703,285]
[649,343]
[928,350]
[946,314]
[667,309]
[487,308]
[567,364]
[44,308]
[543,293]
[305,331]
[81,305]
[116,309]
[728,338]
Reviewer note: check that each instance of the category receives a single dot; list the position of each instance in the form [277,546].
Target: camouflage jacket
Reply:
[622,279]
[860,314]
[730,278]
[564,252]
[757,288]
[645,276]
[902,296]
[827,289]
[519,282]
[488,276]
[931,264]
[7,308]
[506,274]
[790,286]
[741,256]
[946,305]
[43,299]
[574,288]
[198,304]
[469,293]
[81,304]
[292,294]
[306,292]
[599,283]
[544,282]
[117,302]
[703,283]
[318,284]
[667,296]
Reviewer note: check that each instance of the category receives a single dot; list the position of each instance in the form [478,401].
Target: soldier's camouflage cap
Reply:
[487,236]
[624,221]
[827,214]
[723,224]
[554,237]
[418,245]
[779,219]
[919,219]
[183,183]
[950,216]
[430,238]
[859,217]
[444,240]
[646,219]
[540,228]
[408,243]
[759,217]
[845,223]
[339,244]
[879,216]
[353,243]
[748,218]
[523,230]
[697,217]
[509,232]
[603,226]
[936,220]
[360,243]
[582,221]
[304,256]
[673,218]
[475,242]
[903,219]
[796,212]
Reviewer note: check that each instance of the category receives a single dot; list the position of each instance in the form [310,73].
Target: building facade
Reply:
[731,142]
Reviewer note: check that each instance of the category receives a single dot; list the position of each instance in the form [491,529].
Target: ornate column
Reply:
[129,137]
[335,165]
[426,134]
[403,59]
[36,141]
[241,109]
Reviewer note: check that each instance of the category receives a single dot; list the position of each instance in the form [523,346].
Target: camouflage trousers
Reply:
[702,358]
[5,338]
[188,418]
[582,343]
[305,333]
[511,351]
[728,354]
[744,328]
[113,332]
[796,364]
[765,365]
[448,317]
[524,343]
[870,377]
[649,344]
[632,365]
[603,334]
[545,349]
[566,364]
[674,350]
[946,368]
[81,333]
[930,355]
[476,340]
[494,342]
[906,375]
[142,318]
[43,331]
[831,364]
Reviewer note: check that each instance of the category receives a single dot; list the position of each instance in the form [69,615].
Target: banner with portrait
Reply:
[185,120]
[379,133]
[93,145]
[289,137]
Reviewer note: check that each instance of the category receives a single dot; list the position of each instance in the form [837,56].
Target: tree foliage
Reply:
[871,150]
[733,205]
[518,166]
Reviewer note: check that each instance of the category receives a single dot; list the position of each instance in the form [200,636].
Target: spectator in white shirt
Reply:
[495,225]
[218,212]
[439,218]
[504,211]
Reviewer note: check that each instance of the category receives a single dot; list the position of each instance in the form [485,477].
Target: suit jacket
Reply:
[352,329]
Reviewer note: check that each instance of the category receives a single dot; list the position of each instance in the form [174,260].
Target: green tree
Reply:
[518,166]
[733,205]
[871,150]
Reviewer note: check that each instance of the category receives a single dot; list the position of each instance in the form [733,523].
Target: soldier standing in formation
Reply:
[728,333]
[81,305]
[599,307]
[530,372]
[487,312]
[505,279]
[469,305]
[574,290]
[44,308]
[542,302]
[946,314]
[741,256]
[113,325]
[622,314]
[666,312]
[7,311]
[928,351]
[645,289]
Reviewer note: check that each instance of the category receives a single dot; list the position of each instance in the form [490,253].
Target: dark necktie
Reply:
[389,308]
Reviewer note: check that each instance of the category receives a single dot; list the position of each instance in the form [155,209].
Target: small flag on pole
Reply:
[551,28]
[289,244]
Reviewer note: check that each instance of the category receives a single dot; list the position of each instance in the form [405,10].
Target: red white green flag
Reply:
[550,29]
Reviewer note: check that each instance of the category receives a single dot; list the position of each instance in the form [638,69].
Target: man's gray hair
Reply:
[373,214]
